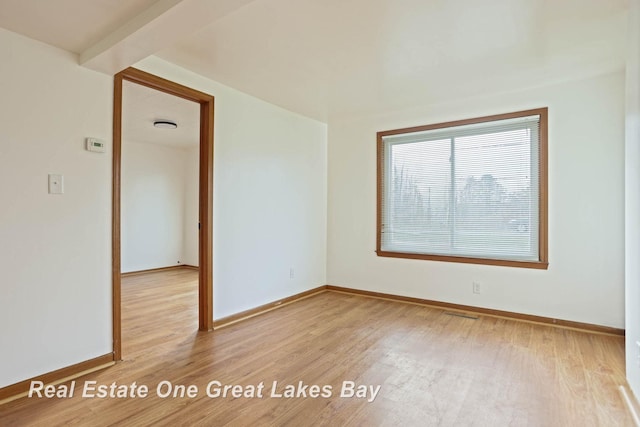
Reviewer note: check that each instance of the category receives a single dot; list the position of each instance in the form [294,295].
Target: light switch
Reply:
[56,184]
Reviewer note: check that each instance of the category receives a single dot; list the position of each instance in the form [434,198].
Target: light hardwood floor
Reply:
[433,369]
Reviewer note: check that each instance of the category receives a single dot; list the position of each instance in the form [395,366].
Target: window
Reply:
[468,191]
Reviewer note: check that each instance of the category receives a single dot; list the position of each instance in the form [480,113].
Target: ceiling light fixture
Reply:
[165,124]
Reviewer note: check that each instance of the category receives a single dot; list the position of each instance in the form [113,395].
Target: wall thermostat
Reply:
[95,144]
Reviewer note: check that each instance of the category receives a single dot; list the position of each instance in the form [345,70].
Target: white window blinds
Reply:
[468,191]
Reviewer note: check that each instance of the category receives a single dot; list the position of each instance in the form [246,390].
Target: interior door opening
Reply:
[204,194]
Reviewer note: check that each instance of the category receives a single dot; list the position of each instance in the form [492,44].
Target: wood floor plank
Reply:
[432,368]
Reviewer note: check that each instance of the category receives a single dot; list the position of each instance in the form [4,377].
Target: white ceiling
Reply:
[141,106]
[326,58]
[337,58]
[73,25]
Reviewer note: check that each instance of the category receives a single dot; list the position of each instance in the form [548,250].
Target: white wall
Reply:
[55,250]
[633,200]
[585,279]
[191,201]
[156,180]
[269,196]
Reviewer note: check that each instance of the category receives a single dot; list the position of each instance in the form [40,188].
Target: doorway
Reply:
[205,195]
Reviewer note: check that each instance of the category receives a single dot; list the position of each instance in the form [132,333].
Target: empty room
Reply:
[305,212]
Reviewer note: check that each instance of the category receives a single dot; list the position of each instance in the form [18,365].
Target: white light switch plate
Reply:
[56,184]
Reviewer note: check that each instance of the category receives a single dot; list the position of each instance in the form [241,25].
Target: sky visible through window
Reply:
[494,154]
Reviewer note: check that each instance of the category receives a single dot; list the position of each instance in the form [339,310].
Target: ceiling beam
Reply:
[156,28]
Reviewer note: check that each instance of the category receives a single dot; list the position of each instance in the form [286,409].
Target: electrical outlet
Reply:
[292,273]
[476,287]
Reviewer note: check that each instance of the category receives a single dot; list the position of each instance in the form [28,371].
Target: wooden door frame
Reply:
[205,210]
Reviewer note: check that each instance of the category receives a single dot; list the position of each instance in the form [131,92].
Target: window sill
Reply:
[539,265]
